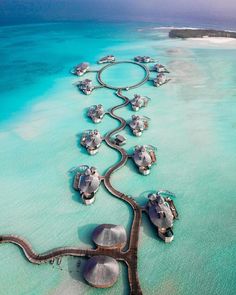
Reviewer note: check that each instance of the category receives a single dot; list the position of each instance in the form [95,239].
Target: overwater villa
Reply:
[162,212]
[101,271]
[138,124]
[87,183]
[80,69]
[144,157]
[110,236]
[139,102]
[138,58]
[160,68]
[86,86]
[160,80]
[96,113]
[144,59]
[107,59]
[91,140]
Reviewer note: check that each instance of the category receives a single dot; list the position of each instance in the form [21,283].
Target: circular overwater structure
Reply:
[101,271]
[110,236]
[131,69]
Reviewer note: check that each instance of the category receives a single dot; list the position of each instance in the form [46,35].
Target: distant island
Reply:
[200,33]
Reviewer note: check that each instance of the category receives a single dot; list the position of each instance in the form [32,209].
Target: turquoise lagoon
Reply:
[193,125]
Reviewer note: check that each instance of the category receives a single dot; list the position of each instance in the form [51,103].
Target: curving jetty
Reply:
[144,80]
[131,253]
[129,256]
[35,258]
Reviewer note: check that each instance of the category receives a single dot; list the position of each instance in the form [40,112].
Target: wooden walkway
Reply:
[131,253]
[128,256]
[144,80]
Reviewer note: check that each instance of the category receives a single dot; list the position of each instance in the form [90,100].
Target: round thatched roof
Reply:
[93,139]
[136,123]
[96,110]
[161,215]
[83,65]
[109,235]
[101,271]
[88,184]
[142,157]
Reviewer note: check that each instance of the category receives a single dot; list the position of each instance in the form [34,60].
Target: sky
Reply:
[24,11]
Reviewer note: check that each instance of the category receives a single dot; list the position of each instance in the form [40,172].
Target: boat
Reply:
[91,140]
[160,80]
[138,102]
[96,113]
[87,182]
[144,157]
[86,86]
[107,59]
[138,124]
[161,215]
[80,69]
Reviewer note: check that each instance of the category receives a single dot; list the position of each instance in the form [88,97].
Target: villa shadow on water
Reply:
[85,233]
[75,195]
[75,268]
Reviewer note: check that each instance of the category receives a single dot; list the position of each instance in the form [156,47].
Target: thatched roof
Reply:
[110,235]
[95,108]
[160,213]
[161,78]
[86,82]
[138,100]
[142,157]
[137,123]
[83,65]
[96,111]
[89,181]
[93,139]
[101,271]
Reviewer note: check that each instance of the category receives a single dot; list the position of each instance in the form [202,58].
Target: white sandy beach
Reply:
[215,40]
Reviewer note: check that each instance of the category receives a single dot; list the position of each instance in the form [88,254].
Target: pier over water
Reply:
[130,255]
[112,75]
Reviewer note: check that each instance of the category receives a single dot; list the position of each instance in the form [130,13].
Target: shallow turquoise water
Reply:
[193,123]
[116,75]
